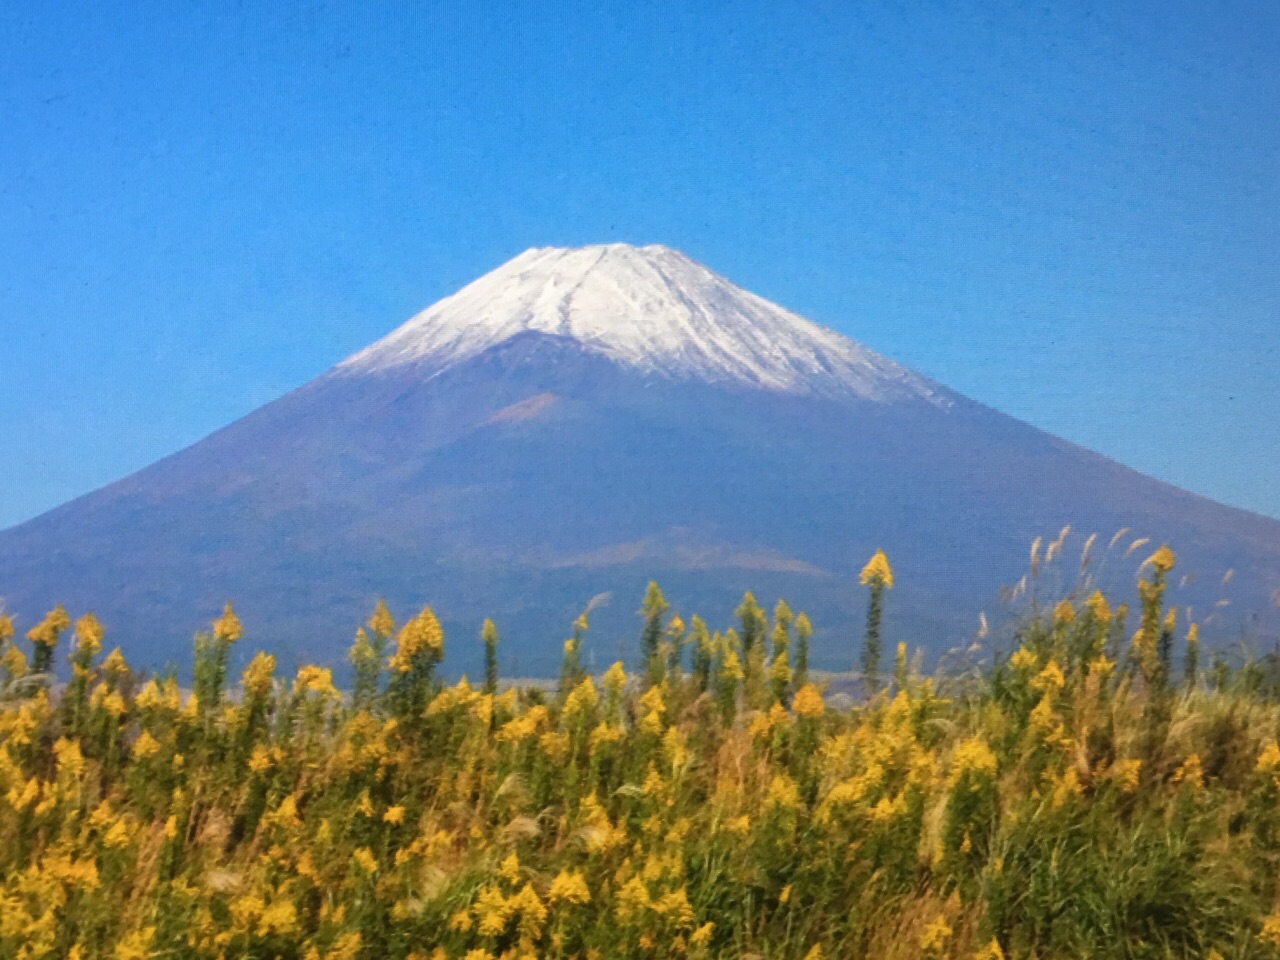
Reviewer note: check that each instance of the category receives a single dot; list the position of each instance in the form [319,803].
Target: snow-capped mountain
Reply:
[650,308]
[579,422]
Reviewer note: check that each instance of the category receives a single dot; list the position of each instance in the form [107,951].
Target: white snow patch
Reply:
[651,308]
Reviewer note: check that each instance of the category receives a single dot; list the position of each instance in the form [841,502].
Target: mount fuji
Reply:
[581,421]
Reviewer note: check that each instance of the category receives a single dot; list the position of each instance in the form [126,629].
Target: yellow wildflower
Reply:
[145,746]
[1269,759]
[260,759]
[1270,932]
[1190,773]
[135,945]
[702,936]
[808,702]
[491,911]
[227,627]
[1050,679]
[569,887]
[632,900]
[257,677]
[117,836]
[509,869]
[972,756]
[460,922]
[581,699]
[380,622]
[935,936]
[877,572]
[1162,560]
[1022,660]
[615,678]
[1124,774]
[1099,607]
[783,793]
[46,632]
[421,635]
[88,635]
[365,860]
[675,908]
[530,909]
[313,679]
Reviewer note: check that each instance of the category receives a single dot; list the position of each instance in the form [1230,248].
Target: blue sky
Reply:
[1069,212]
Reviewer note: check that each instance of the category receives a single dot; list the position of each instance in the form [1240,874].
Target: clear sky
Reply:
[1068,211]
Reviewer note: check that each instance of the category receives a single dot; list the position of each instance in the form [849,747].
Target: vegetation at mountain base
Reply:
[1081,796]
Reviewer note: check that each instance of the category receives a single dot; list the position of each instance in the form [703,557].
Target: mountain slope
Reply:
[579,422]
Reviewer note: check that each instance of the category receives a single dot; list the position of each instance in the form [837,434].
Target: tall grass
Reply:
[1079,798]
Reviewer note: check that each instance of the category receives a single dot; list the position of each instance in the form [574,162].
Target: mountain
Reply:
[578,422]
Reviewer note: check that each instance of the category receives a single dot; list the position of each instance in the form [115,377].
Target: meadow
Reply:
[1093,791]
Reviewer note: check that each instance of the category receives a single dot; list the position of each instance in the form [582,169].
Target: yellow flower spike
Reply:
[421,635]
[531,910]
[877,572]
[227,627]
[991,951]
[569,887]
[1124,774]
[1101,666]
[615,678]
[808,702]
[1022,660]
[972,756]
[145,746]
[393,815]
[1190,773]
[258,676]
[365,860]
[491,910]
[460,922]
[318,680]
[46,632]
[1050,679]
[1162,560]
[581,699]
[675,907]
[6,627]
[509,869]
[1269,759]
[1270,932]
[381,622]
[88,635]
[702,936]
[1064,612]
[1098,606]
[935,936]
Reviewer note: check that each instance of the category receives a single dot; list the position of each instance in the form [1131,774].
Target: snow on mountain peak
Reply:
[650,308]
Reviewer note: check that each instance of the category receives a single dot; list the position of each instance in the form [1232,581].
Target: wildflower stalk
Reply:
[877,576]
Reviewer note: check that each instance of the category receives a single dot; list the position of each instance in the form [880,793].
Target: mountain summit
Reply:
[579,422]
[650,308]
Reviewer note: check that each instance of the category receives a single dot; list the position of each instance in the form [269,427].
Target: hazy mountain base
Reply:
[1082,799]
